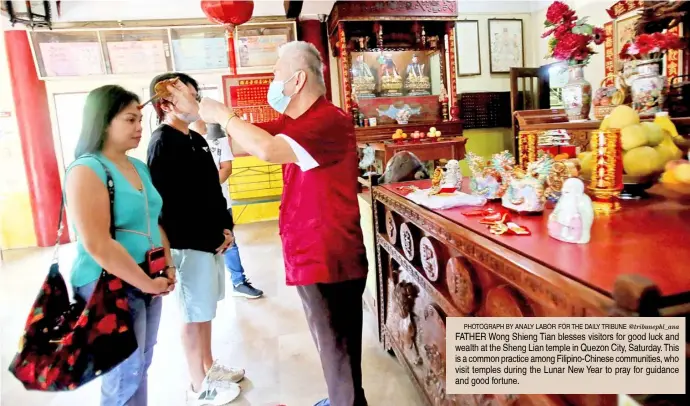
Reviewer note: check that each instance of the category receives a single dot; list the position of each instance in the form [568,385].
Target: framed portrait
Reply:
[624,31]
[506,45]
[257,44]
[467,49]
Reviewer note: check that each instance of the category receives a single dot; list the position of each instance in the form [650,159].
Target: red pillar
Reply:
[312,31]
[35,132]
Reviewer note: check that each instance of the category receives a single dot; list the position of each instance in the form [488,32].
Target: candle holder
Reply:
[607,175]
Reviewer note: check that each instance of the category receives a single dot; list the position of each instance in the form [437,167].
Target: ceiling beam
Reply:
[293,8]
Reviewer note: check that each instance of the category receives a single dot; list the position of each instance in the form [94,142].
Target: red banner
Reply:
[609,58]
[623,7]
[673,62]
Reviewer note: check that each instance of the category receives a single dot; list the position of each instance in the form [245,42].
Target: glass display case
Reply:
[396,66]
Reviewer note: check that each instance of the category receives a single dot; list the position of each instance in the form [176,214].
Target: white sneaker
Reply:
[219,372]
[212,394]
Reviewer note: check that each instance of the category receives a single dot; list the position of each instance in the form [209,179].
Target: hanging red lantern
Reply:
[228,12]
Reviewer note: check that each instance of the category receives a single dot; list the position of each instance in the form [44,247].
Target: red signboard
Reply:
[246,94]
[623,7]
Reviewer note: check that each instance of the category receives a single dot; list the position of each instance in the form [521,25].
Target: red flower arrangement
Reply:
[571,37]
[651,46]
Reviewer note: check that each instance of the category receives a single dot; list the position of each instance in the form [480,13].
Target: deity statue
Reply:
[571,221]
[391,82]
[416,82]
[363,81]
[453,176]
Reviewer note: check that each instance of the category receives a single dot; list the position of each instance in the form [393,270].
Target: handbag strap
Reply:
[110,185]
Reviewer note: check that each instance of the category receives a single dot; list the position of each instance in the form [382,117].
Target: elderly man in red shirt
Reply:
[319,214]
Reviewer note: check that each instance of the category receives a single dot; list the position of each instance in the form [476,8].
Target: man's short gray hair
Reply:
[304,55]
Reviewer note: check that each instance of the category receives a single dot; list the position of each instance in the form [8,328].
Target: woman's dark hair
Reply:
[186,79]
[101,107]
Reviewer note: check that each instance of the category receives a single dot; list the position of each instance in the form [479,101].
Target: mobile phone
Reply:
[155,258]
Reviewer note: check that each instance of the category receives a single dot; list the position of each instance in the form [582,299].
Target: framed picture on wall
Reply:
[624,31]
[506,45]
[467,48]
[256,45]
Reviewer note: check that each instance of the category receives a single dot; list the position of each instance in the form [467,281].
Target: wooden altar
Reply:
[436,264]
[532,123]
[382,46]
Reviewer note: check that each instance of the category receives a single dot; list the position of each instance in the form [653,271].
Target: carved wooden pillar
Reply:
[346,87]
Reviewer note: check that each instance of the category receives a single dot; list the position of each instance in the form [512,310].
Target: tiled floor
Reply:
[269,337]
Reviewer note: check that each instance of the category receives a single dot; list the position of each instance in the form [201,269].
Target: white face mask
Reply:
[276,98]
[189,118]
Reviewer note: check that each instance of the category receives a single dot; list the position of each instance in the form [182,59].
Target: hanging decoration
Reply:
[228,12]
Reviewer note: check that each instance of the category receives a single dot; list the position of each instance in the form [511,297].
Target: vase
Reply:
[577,94]
[648,88]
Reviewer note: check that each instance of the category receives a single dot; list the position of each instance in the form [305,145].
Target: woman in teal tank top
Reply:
[111,127]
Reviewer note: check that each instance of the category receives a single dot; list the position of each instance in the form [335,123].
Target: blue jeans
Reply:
[234,265]
[126,384]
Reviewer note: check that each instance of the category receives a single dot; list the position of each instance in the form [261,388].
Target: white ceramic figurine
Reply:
[571,221]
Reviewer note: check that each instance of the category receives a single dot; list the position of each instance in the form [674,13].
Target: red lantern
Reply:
[228,12]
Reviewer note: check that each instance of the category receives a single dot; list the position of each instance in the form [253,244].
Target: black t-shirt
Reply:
[194,210]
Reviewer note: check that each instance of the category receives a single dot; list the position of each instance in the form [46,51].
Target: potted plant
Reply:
[570,41]
[647,51]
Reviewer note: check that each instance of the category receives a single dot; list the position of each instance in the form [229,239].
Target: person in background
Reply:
[319,214]
[199,227]
[111,127]
[222,156]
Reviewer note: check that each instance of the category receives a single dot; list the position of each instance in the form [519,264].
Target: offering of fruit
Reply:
[647,146]
[623,116]
[677,176]
[433,133]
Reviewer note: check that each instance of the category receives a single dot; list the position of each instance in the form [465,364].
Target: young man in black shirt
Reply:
[199,228]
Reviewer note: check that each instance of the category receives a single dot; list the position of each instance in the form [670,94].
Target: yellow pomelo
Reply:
[633,136]
[668,177]
[682,173]
[623,116]
[668,149]
[641,161]
[605,123]
[586,164]
[655,134]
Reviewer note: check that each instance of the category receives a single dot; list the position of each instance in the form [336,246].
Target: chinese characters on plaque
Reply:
[247,96]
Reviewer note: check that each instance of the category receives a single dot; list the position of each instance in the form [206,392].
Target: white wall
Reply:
[496,82]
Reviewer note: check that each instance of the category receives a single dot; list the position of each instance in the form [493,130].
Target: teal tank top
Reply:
[130,217]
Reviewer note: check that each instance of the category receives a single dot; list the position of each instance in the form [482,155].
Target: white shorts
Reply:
[200,284]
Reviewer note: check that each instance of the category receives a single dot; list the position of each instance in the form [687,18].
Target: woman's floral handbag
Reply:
[66,345]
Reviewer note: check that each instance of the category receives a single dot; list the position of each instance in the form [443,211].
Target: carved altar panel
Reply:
[461,283]
[409,240]
[504,301]
[432,256]
[391,227]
